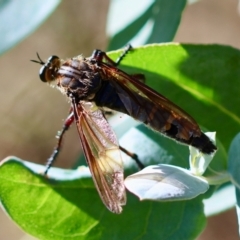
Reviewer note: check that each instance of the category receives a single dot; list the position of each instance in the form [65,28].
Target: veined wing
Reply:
[153,109]
[102,154]
[143,95]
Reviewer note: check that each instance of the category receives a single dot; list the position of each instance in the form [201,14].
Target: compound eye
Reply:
[44,74]
[54,60]
[49,70]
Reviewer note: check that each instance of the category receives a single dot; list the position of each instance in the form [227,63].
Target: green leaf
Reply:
[20,18]
[145,22]
[70,208]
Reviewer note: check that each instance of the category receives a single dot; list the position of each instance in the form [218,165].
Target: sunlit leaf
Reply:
[66,205]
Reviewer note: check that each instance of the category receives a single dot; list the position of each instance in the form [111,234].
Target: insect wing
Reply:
[146,105]
[102,154]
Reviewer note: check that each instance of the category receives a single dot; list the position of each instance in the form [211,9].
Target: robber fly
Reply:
[96,82]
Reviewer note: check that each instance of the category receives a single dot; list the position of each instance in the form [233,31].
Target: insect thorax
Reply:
[79,78]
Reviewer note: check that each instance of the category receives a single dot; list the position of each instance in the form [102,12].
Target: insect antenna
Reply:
[134,156]
[40,60]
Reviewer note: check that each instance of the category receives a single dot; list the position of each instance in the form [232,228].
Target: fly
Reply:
[96,82]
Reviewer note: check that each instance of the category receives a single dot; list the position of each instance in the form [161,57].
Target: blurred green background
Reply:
[31,113]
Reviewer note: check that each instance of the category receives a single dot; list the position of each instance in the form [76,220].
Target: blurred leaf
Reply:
[70,208]
[144,22]
[226,193]
[234,160]
[233,167]
[166,19]
[20,18]
[238,208]
[192,1]
[126,34]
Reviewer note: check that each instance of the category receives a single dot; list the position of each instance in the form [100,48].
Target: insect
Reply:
[96,82]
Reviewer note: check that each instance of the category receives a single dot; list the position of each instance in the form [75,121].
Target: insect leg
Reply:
[139,76]
[134,156]
[99,56]
[69,120]
[124,53]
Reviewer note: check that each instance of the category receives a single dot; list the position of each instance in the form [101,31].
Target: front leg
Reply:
[100,56]
[69,120]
